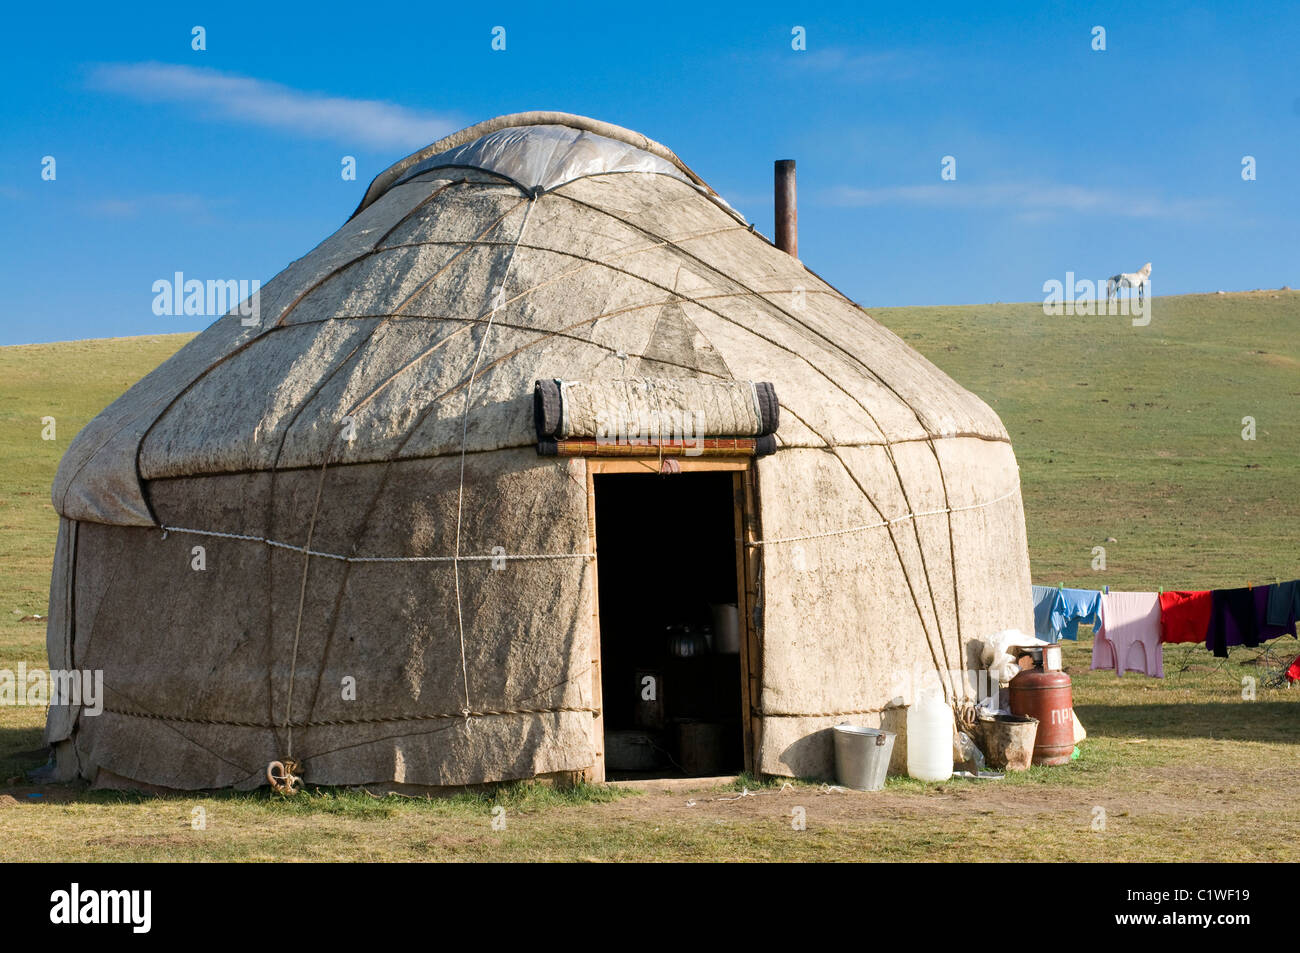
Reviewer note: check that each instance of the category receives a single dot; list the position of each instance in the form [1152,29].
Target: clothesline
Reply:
[1130,627]
[1277,580]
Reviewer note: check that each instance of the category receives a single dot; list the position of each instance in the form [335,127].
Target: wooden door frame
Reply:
[744,505]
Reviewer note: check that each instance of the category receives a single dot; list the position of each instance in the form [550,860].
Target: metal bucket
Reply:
[862,756]
[1006,740]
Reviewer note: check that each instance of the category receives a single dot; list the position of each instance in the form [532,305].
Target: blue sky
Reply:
[225,163]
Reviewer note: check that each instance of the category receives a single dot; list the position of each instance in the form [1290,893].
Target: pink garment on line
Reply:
[1127,638]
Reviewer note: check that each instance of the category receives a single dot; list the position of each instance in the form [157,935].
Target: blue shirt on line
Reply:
[1059,612]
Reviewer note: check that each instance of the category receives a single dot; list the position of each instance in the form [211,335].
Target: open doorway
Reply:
[670,654]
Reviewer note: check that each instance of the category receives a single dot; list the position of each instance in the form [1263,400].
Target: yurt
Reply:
[546,464]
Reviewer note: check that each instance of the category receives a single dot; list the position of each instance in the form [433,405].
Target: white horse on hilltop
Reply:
[1130,279]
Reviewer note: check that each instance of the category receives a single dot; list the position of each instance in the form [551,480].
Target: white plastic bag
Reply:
[996,655]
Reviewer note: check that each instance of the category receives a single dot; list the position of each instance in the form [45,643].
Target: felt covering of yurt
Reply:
[353,463]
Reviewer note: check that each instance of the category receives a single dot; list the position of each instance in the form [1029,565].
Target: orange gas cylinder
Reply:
[1046,696]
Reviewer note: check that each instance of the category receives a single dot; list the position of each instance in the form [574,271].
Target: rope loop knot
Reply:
[283,776]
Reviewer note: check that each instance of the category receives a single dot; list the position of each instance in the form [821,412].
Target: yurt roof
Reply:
[532,246]
[531,133]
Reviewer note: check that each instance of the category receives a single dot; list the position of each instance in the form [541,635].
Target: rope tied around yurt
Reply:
[319,554]
[355,722]
[496,301]
[964,712]
[302,601]
[883,523]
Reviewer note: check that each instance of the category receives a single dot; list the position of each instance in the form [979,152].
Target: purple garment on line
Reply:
[1240,617]
[1232,620]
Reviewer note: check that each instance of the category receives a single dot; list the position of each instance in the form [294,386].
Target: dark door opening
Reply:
[669,628]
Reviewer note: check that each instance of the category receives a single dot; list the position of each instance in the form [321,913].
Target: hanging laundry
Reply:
[1283,603]
[1184,616]
[1044,599]
[1074,607]
[1232,620]
[1127,638]
[1266,630]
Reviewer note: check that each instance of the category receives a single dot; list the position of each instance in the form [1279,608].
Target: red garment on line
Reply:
[1184,616]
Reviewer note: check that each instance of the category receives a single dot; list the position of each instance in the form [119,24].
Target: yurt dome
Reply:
[406,524]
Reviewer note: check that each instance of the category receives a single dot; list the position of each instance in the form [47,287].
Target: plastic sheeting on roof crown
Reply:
[543,157]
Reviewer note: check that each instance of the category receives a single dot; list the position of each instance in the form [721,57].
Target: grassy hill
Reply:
[70,382]
[1123,432]
[1135,433]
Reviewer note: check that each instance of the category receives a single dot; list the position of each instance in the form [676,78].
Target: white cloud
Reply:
[860,65]
[1035,202]
[355,122]
[188,205]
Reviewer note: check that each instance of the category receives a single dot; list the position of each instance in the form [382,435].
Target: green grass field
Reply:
[1178,770]
[1121,432]
[70,382]
[1135,433]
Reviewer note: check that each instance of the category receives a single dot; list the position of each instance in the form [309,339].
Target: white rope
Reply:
[498,295]
[523,557]
[516,557]
[297,628]
[897,519]
[746,792]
